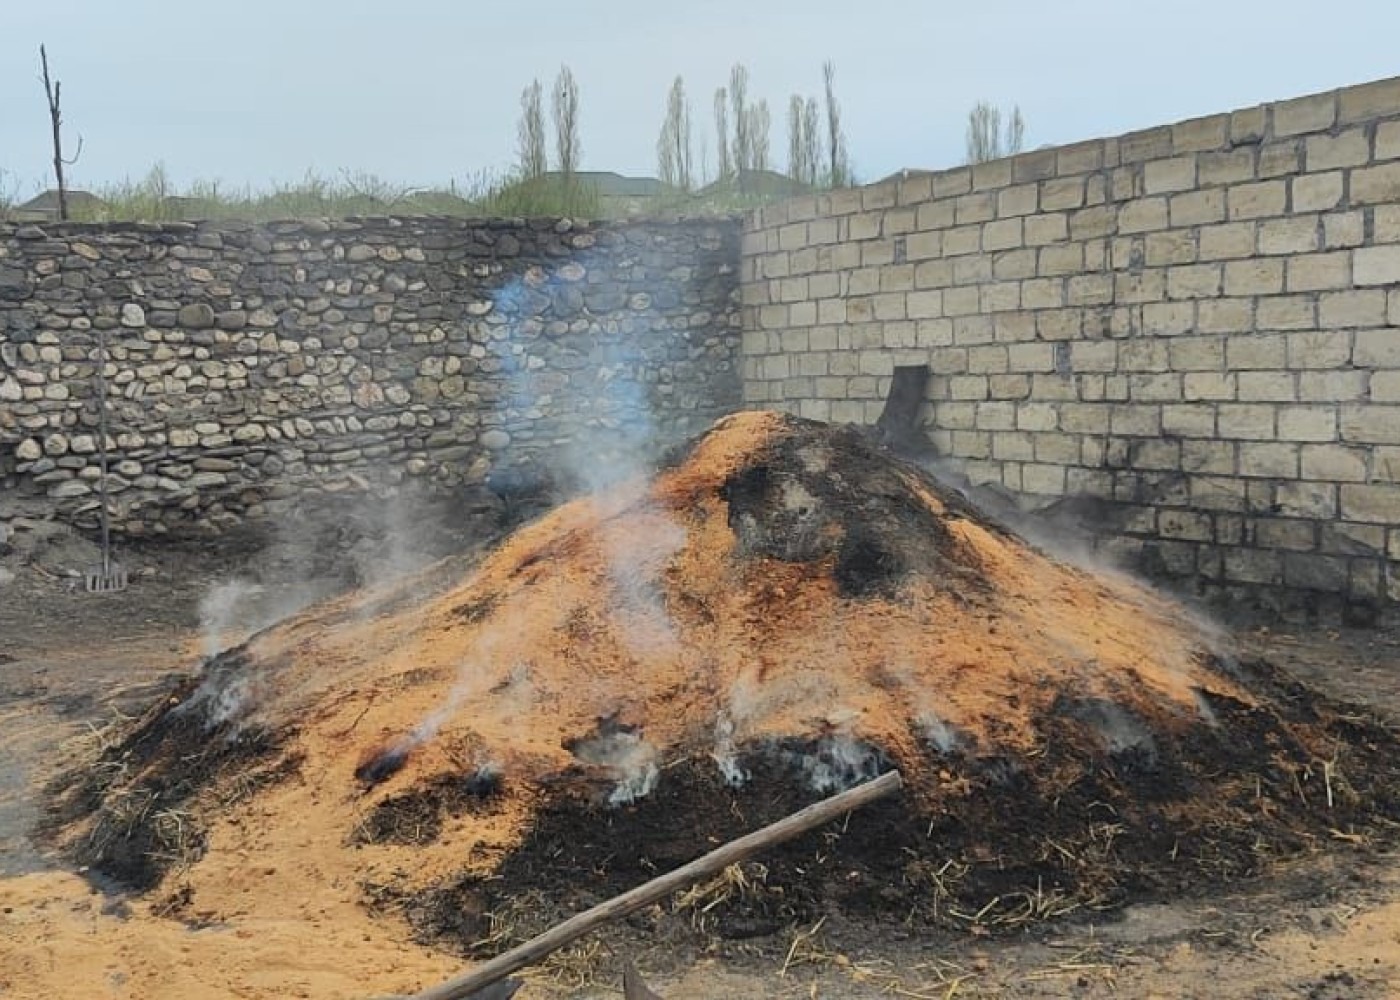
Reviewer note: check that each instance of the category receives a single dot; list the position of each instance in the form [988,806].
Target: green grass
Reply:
[9,189]
[154,198]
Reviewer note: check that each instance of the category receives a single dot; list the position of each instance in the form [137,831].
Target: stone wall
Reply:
[1198,322]
[249,364]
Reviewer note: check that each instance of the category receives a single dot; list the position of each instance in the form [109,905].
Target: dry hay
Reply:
[784,610]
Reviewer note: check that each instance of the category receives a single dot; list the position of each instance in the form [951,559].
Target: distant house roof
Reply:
[611,184]
[768,183]
[45,206]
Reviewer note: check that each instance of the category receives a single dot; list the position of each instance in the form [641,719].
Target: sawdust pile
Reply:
[783,611]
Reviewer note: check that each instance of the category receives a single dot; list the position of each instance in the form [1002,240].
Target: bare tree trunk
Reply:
[739,101]
[797,147]
[759,122]
[673,148]
[840,174]
[568,147]
[811,141]
[983,133]
[722,133]
[54,91]
[1015,132]
[531,155]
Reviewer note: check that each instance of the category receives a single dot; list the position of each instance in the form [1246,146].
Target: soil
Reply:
[504,812]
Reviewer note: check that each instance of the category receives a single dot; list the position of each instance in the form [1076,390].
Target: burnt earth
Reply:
[417,816]
[381,765]
[977,842]
[818,493]
[137,810]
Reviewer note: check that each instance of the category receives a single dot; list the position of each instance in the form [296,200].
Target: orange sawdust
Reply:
[643,606]
[561,648]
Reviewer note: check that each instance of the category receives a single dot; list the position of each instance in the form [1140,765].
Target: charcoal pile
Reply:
[784,610]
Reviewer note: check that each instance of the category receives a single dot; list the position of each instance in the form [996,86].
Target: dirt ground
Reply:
[1327,928]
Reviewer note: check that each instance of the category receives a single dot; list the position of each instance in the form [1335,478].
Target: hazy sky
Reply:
[423,91]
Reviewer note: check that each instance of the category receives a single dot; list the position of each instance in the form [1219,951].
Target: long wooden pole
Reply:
[716,861]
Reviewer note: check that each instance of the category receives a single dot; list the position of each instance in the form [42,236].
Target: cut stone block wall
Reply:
[1200,322]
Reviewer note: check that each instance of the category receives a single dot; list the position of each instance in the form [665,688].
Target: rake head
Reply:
[106,580]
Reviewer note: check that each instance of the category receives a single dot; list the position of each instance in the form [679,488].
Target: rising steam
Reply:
[636,552]
[225,691]
[937,732]
[726,754]
[218,613]
[630,761]
[609,447]
[471,685]
[229,614]
[635,764]
[840,762]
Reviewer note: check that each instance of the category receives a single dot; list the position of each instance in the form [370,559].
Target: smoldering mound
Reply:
[783,611]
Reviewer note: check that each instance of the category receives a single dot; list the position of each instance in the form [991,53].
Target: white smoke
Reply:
[230,613]
[488,775]
[228,700]
[1204,710]
[936,731]
[924,708]
[226,691]
[726,754]
[813,691]
[402,526]
[1118,729]
[636,553]
[840,762]
[609,445]
[634,764]
[837,761]
[638,766]
[618,444]
[218,613]
[471,684]
[234,610]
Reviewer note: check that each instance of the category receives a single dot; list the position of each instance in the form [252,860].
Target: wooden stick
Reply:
[716,861]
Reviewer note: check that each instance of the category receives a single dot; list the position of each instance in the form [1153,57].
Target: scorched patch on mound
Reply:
[785,610]
[138,808]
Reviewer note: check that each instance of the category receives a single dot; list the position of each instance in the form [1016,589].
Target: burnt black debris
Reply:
[138,806]
[417,816]
[820,493]
[382,765]
[1098,819]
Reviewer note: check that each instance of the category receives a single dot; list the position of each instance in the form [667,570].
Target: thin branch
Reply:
[77,153]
